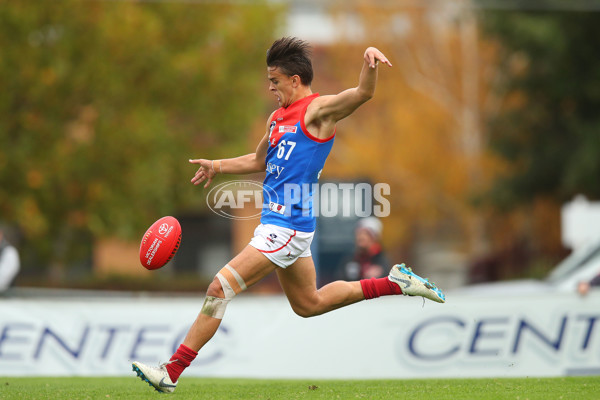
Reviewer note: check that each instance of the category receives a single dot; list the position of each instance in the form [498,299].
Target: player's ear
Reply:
[296,81]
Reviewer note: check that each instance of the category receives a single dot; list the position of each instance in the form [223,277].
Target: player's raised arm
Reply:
[246,164]
[325,111]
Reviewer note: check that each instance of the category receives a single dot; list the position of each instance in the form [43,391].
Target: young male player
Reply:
[293,151]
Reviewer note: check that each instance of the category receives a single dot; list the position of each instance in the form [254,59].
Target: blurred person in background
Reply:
[584,287]
[9,263]
[368,260]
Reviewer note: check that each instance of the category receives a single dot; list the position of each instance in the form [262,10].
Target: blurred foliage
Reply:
[104,102]
[423,133]
[549,128]
[426,133]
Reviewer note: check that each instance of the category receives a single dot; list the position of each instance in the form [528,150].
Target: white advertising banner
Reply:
[392,337]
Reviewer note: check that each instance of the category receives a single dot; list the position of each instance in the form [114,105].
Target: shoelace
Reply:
[428,285]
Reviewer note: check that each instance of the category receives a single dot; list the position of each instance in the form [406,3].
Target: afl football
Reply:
[160,243]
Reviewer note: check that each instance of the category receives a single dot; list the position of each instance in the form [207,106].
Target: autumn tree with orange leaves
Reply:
[426,134]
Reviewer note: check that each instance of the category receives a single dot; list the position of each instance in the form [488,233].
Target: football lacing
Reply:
[175,248]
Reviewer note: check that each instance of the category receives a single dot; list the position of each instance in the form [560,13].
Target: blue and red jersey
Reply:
[294,162]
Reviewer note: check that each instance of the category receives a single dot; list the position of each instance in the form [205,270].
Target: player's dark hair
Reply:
[292,56]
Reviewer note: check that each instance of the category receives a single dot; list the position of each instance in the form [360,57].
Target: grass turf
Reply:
[240,389]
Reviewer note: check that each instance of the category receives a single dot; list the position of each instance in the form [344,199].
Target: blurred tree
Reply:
[549,128]
[103,103]
[424,131]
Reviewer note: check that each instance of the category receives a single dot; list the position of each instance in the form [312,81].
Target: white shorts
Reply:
[283,246]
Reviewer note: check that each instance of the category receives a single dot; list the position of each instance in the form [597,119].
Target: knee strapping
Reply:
[231,283]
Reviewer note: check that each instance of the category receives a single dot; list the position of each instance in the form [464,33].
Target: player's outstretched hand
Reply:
[206,172]
[373,56]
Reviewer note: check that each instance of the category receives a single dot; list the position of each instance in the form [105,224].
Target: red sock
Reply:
[376,287]
[182,359]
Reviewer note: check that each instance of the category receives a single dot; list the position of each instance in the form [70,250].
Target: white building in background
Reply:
[314,21]
[316,25]
[580,221]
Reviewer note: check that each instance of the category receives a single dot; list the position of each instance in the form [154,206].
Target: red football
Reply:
[160,243]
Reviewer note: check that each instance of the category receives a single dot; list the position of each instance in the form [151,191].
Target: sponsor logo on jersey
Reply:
[278,208]
[288,129]
[274,169]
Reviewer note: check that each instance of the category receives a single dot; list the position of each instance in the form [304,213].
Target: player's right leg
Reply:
[412,284]
[247,268]
[299,284]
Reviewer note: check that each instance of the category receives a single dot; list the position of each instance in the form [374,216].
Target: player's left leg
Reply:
[250,266]
[241,272]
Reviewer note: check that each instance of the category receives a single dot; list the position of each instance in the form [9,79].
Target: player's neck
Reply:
[300,93]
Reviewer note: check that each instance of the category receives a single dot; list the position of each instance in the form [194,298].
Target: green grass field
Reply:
[213,389]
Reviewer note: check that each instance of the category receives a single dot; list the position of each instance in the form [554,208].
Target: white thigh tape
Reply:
[231,282]
[237,277]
